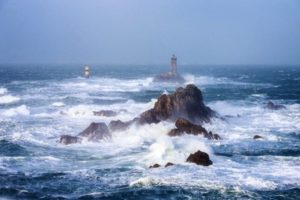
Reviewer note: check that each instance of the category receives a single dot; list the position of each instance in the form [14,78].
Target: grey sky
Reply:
[149,31]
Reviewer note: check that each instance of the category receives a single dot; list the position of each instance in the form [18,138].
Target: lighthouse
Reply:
[174,65]
[86,71]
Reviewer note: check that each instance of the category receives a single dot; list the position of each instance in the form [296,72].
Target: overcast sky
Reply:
[149,31]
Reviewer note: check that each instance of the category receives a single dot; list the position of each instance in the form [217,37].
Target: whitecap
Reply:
[3,90]
[6,99]
[58,104]
[20,110]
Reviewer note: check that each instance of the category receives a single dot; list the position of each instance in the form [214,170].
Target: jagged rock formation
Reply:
[185,126]
[184,102]
[118,125]
[68,139]
[94,132]
[199,158]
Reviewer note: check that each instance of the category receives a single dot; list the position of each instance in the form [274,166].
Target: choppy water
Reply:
[40,103]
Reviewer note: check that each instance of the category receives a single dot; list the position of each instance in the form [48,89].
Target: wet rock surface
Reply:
[184,126]
[184,102]
[155,166]
[199,158]
[67,139]
[96,132]
[105,113]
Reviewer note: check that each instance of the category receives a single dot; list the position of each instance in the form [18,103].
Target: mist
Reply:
[218,32]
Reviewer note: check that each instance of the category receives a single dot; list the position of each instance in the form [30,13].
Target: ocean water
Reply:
[38,103]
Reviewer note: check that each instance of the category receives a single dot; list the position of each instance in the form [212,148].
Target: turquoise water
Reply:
[40,103]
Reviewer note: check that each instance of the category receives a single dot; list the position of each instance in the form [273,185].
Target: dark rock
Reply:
[169,164]
[67,139]
[117,125]
[155,166]
[199,158]
[175,132]
[105,113]
[272,106]
[96,132]
[185,126]
[257,137]
[212,136]
[184,102]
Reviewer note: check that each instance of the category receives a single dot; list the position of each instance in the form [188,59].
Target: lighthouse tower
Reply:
[174,65]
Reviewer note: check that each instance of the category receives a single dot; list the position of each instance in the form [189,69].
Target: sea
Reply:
[39,103]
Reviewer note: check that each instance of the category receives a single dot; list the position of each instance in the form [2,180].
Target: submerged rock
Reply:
[199,158]
[257,137]
[68,139]
[272,106]
[105,113]
[184,102]
[96,132]
[185,126]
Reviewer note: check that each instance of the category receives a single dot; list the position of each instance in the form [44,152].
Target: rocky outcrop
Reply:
[184,126]
[105,113]
[184,102]
[257,137]
[272,106]
[169,164]
[199,158]
[118,125]
[155,166]
[94,132]
[68,139]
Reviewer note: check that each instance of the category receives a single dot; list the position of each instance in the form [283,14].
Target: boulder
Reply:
[199,158]
[272,106]
[155,166]
[257,137]
[96,132]
[169,164]
[184,102]
[105,113]
[68,139]
[185,126]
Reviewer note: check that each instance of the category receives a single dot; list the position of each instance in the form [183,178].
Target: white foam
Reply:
[20,110]
[58,104]
[6,99]
[107,85]
[3,90]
